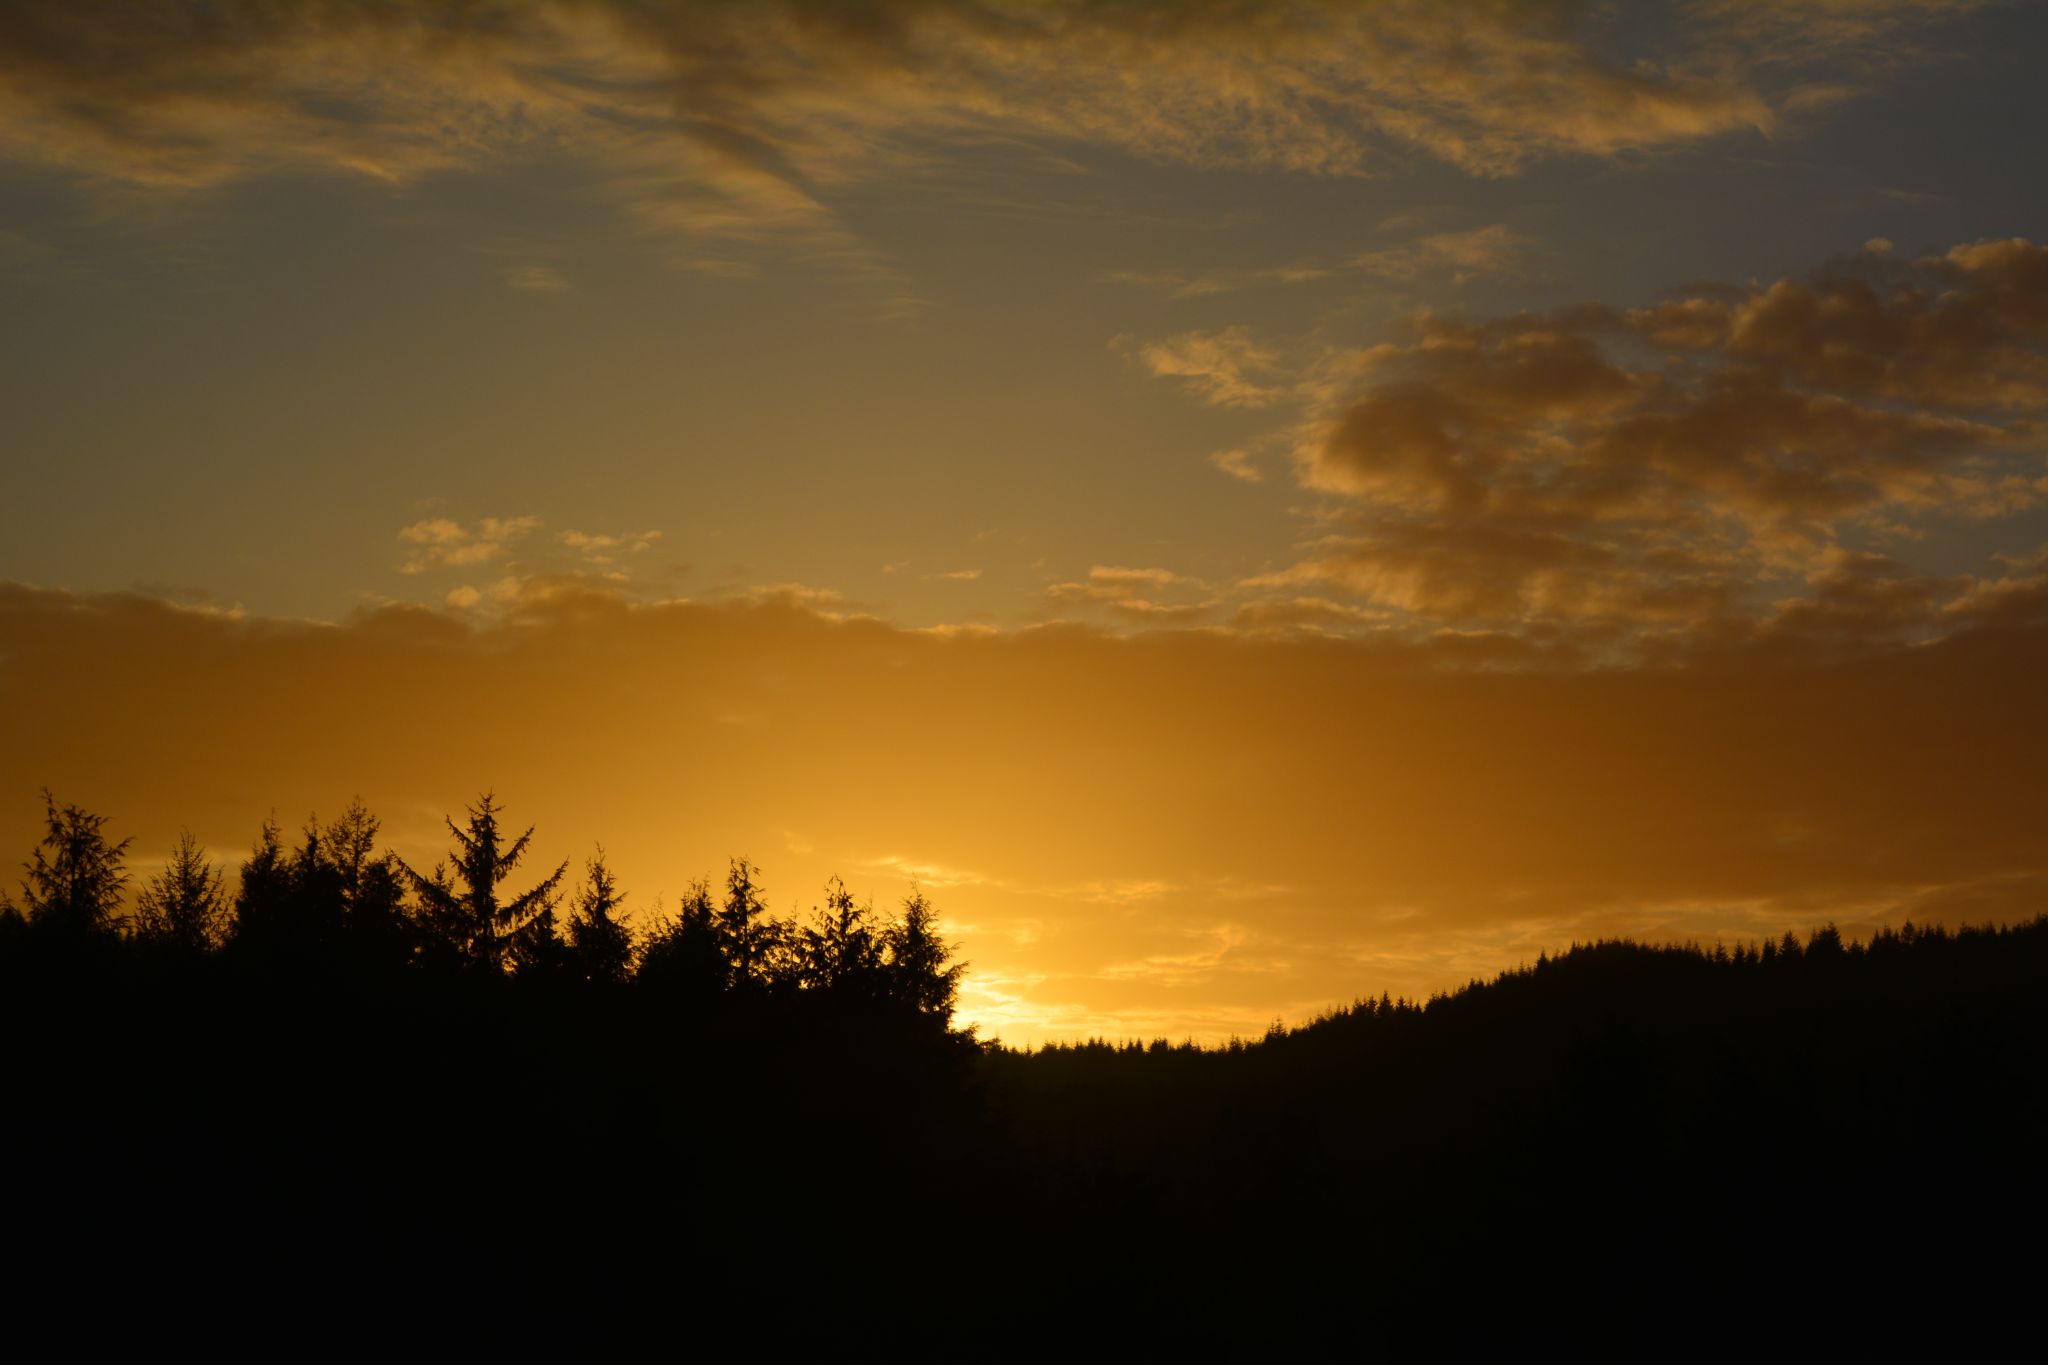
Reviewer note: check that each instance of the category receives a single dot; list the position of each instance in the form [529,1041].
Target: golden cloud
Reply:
[1673,467]
[1222,367]
[741,119]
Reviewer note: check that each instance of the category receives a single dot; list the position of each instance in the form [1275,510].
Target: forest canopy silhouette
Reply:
[455,1073]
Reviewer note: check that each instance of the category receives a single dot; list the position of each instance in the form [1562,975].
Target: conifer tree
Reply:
[462,902]
[919,973]
[74,880]
[748,936]
[370,887]
[291,900]
[263,891]
[840,949]
[602,947]
[186,905]
[683,958]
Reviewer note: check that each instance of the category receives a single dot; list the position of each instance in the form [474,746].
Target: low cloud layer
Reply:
[1180,832]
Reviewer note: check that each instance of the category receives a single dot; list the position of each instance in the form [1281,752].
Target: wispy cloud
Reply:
[603,549]
[1223,367]
[1462,256]
[1202,284]
[537,279]
[744,122]
[439,542]
[1237,464]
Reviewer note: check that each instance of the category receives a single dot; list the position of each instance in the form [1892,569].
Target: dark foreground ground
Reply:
[1646,1146]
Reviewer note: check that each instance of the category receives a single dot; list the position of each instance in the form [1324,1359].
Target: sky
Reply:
[1247,505]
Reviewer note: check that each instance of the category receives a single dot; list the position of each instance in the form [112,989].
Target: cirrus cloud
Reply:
[745,120]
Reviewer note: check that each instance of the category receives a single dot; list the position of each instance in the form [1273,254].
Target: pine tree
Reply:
[263,888]
[749,938]
[683,959]
[463,905]
[74,880]
[369,884]
[290,900]
[601,945]
[186,905]
[840,949]
[919,974]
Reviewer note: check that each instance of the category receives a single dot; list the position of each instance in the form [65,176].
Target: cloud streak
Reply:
[744,121]
[441,543]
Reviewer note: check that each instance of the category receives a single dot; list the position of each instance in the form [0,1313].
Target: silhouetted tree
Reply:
[840,950]
[463,907]
[601,946]
[748,937]
[74,879]
[371,888]
[919,974]
[263,887]
[290,900]
[537,949]
[682,958]
[184,906]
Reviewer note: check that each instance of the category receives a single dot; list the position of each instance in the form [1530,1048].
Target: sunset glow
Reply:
[1247,507]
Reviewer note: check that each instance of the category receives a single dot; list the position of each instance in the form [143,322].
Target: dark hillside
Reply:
[338,1104]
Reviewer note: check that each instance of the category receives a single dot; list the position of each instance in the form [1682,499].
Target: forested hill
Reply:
[347,1114]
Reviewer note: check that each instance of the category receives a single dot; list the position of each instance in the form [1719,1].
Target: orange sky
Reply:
[1180,833]
[1249,505]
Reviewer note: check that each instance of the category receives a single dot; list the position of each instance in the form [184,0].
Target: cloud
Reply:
[828,603]
[1497,575]
[2018,597]
[1238,465]
[1181,285]
[599,549]
[1412,811]
[744,122]
[1219,366]
[540,279]
[1148,612]
[1305,613]
[1118,577]
[961,575]
[1462,255]
[1459,256]
[1134,595]
[1678,466]
[441,543]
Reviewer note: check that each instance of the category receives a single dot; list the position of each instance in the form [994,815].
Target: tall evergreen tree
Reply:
[462,904]
[291,899]
[840,949]
[748,936]
[263,888]
[74,880]
[185,905]
[602,947]
[369,884]
[683,959]
[918,968]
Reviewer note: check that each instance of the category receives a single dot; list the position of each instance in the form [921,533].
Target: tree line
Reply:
[383,1090]
[333,894]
